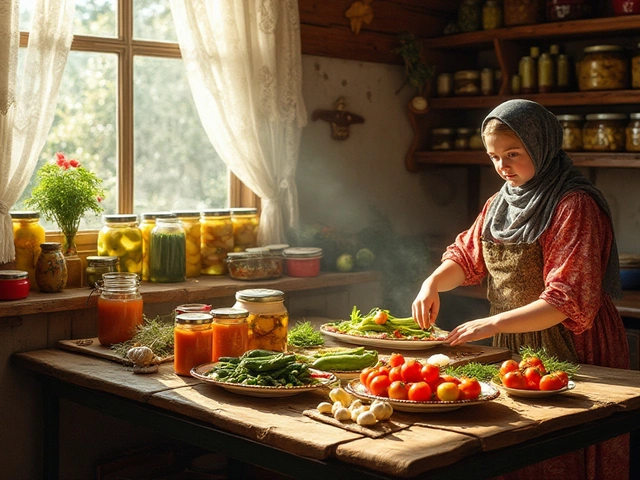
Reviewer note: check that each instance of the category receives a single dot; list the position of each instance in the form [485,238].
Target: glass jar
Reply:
[193,308]
[14,284]
[245,228]
[230,332]
[147,222]
[529,74]
[523,12]
[516,84]
[571,131]
[491,15]
[470,15]
[559,10]
[119,307]
[192,341]
[626,7]
[51,268]
[546,73]
[268,318]
[466,82]
[475,142]
[633,133]
[442,138]
[216,240]
[191,224]
[463,135]
[604,132]
[563,72]
[259,264]
[28,234]
[635,68]
[486,81]
[167,251]
[96,266]
[604,67]
[121,237]
[445,85]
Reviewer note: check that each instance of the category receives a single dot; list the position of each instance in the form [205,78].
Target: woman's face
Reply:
[510,159]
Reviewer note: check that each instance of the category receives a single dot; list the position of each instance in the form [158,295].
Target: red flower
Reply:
[99,198]
[74,163]
[61,160]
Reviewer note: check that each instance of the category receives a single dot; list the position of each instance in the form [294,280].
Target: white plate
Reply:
[259,390]
[518,392]
[488,393]
[392,343]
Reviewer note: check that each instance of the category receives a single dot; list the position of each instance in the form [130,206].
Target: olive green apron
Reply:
[516,279]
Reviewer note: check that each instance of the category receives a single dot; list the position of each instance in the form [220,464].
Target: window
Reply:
[125,111]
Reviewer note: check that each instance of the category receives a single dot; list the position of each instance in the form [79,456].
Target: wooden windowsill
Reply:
[193,290]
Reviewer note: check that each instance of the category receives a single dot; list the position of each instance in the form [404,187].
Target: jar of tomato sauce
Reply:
[119,307]
[192,341]
[268,318]
[230,332]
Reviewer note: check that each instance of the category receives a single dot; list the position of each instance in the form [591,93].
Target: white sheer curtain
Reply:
[243,62]
[26,114]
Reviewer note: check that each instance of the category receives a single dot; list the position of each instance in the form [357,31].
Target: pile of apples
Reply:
[531,374]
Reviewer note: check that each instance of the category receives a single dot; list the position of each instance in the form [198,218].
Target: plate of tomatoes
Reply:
[530,378]
[518,392]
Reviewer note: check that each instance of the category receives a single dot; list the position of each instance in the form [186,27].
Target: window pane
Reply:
[84,126]
[175,165]
[152,20]
[92,17]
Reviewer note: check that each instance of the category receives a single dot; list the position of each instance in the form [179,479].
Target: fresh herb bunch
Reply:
[304,335]
[418,73]
[550,362]
[481,371]
[155,333]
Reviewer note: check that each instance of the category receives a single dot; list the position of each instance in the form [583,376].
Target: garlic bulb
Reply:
[141,356]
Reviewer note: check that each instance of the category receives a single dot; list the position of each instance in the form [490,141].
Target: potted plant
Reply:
[418,72]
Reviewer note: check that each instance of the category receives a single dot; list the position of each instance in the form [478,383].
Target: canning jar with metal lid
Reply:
[121,237]
[604,67]
[193,308]
[167,251]
[28,234]
[442,138]
[469,15]
[268,318]
[230,332]
[633,133]
[192,341]
[571,131]
[259,264]
[604,132]
[216,240]
[561,10]
[491,15]
[466,82]
[523,12]
[96,266]
[119,307]
[14,284]
[245,228]
[147,222]
[191,224]
[463,135]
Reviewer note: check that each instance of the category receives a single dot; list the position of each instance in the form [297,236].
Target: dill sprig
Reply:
[155,333]
[481,371]
[551,362]
[304,335]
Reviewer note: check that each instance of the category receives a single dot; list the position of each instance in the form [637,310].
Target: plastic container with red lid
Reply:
[302,261]
[14,284]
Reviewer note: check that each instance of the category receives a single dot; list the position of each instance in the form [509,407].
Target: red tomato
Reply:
[470,389]
[395,360]
[379,385]
[364,374]
[533,376]
[395,373]
[398,390]
[435,383]
[420,392]
[562,376]
[449,378]
[532,362]
[515,379]
[411,371]
[430,373]
[448,391]
[384,370]
[508,366]
[380,317]
[374,373]
[551,382]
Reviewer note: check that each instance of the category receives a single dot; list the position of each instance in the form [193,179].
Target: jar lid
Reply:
[216,212]
[244,211]
[603,48]
[276,248]
[102,260]
[25,214]
[194,307]
[467,75]
[51,246]
[13,274]
[194,318]
[260,295]
[442,131]
[570,117]
[303,252]
[606,116]
[229,313]
[634,116]
[464,131]
[187,213]
[154,215]
[120,218]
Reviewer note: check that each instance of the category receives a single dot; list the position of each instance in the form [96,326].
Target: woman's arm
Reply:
[426,306]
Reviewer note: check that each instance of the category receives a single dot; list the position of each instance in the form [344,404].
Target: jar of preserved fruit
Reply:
[463,135]
[442,138]
[51,268]
[268,318]
[559,10]
[491,15]
[466,82]
[192,341]
[14,284]
[546,73]
[121,237]
[635,67]
[444,85]
[191,224]
[259,264]
[523,12]
[626,7]
[230,332]
[604,132]
[470,16]
[167,251]
[216,240]
[28,234]
[604,67]
[147,222]
[633,133]
[528,74]
[119,307]
[96,266]
[571,131]
[245,228]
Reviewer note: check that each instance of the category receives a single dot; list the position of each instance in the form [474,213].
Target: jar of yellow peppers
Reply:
[191,225]
[245,228]
[216,240]
[121,237]
[28,234]
[148,221]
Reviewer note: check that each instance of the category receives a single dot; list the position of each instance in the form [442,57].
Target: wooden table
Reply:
[476,441]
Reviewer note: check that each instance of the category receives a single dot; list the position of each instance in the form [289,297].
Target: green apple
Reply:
[364,258]
[344,263]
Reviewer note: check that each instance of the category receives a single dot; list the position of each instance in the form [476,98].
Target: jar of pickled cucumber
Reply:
[191,224]
[167,251]
[604,132]
[604,67]
[121,237]
[216,240]
[148,221]
[571,131]
[96,266]
[633,133]
[245,228]
[28,234]
[268,318]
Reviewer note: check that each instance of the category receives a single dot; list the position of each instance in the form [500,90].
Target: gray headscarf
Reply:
[521,214]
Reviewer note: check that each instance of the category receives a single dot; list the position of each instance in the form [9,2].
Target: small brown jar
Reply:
[51,268]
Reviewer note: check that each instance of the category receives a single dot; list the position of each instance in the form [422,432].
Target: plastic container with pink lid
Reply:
[302,261]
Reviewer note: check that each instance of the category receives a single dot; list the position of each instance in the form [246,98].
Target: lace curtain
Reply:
[26,115]
[243,62]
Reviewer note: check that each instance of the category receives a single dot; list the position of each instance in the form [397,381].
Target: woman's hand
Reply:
[426,306]
[472,331]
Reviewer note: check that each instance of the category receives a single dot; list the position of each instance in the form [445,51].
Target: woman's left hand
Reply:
[471,331]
